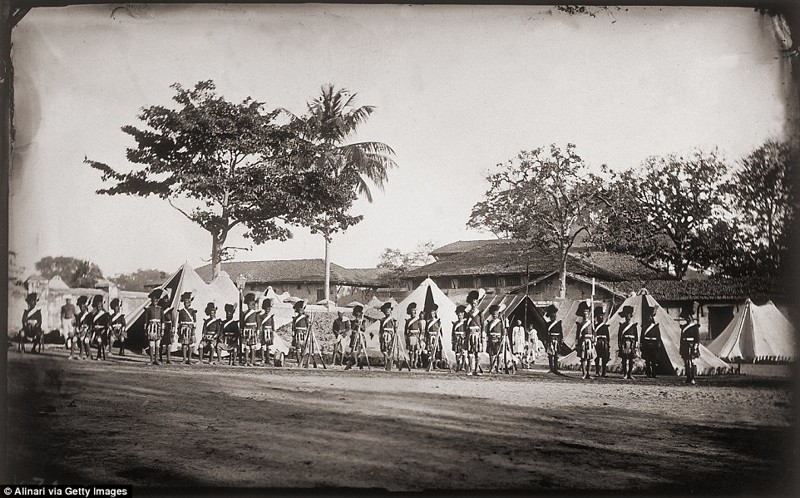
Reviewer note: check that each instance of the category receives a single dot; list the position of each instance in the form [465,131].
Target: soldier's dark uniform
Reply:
[433,340]
[101,322]
[651,348]
[154,325]
[300,325]
[554,337]
[628,338]
[230,333]
[495,330]
[340,328]
[186,325]
[85,332]
[358,328]
[459,339]
[689,346]
[414,333]
[387,334]
[31,324]
[168,329]
[118,325]
[212,330]
[602,343]
[250,328]
[267,335]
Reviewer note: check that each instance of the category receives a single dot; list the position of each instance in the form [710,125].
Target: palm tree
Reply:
[331,120]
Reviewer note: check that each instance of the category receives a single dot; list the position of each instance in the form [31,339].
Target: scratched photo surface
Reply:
[445,97]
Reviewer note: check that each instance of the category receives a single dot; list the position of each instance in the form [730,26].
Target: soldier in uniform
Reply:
[433,338]
[414,333]
[475,337]
[101,322]
[85,330]
[251,325]
[230,334]
[154,320]
[187,317]
[358,328]
[495,331]
[118,325]
[554,337]
[267,335]
[212,330]
[459,338]
[651,343]
[31,324]
[689,344]
[300,324]
[602,342]
[168,328]
[584,339]
[627,339]
[387,334]
[340,328]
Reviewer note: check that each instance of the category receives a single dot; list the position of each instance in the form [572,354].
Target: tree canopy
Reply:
[73,271]
[542,198]
[225,165]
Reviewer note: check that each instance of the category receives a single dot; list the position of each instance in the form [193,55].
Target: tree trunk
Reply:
[562,285]
[216,255]
[327,270]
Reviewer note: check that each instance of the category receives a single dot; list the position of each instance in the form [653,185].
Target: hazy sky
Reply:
[458,89]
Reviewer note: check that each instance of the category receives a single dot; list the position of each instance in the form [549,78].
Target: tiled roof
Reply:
[462,246]
[297,270]
[712,289]
[504,257]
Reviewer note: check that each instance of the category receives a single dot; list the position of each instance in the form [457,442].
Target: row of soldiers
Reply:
[90,327]
[593,341]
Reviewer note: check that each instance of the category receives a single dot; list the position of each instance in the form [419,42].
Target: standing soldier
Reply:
[300,325]
[100,326]
[212,331]
[475,330]
[85,330]
[651,343]
[628,339]
[118,325]
[495,331]
[31,323]
[230,333]
[433,338]
[459,338]
[340,328]
[358,327]
[584,339]
[602,344]
[67,316]
[168,329]
[154,318]
[413,333]
[267,334]
[690,343]
[251,325]
[187,317]
[554,337]
[387,334]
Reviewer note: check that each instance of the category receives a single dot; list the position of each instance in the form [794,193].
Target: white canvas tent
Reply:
[756,334]
[670,362]
[183,280]
[224,286]
[427,293]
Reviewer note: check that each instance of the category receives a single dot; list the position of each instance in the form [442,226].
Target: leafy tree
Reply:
[664,211]
[330,121]
[401,262]
[139,280]
[764,191]
[73,271]
[542,199]
[233,165]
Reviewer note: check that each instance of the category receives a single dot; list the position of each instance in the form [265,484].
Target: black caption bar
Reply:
[66,490]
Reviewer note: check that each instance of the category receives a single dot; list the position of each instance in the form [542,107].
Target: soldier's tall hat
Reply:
[154,294]
[494,309]
[230,308]
[82,300]
[687,312]
[32,297]
[461,309]
[187,296]
[211,307]
[249,297]
[598,312]
[626,310]
[583,306]
[114,302]
[299,305]
[409,308]
[358,309]
[551,310]
[97,300]
[386,306]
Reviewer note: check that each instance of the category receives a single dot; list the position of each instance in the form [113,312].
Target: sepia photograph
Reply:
[259,248]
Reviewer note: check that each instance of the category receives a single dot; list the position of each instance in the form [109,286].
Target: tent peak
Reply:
[642,292]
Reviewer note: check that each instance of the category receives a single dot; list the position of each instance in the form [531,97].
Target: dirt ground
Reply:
[122,421]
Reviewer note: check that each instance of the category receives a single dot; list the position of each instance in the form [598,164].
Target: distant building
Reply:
[305,278]
[500,266]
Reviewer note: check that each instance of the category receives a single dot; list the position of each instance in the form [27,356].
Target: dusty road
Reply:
[125,422]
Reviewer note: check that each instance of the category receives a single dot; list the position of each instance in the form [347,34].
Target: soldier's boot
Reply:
[603,369]
[630,369]
[694,373]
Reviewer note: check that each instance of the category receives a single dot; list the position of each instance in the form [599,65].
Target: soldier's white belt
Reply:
[689,339]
